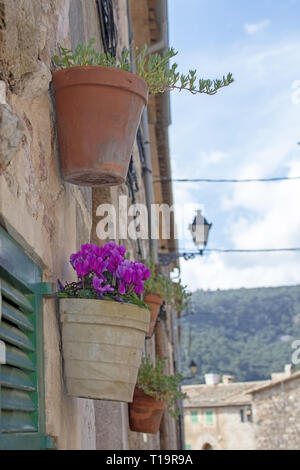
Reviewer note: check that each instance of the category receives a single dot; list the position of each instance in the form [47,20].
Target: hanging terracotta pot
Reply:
[145,413]
[98,111]
[153,301]
[102,347]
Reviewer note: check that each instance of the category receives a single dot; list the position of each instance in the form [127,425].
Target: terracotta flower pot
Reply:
[154,301]
[102,347]
[98,111]
[145,412]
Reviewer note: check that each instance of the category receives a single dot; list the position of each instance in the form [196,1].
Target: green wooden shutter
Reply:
[194,416]
[22,420]
[209,417]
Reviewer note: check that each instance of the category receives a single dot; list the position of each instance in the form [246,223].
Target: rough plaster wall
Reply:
[84,23]
[235,434]
[49,218]
[109,422]
[226,433]
[12,131]
[276,413]
[142,441]
[112,417]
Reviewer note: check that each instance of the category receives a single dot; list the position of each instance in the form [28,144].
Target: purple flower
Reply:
[125,271]
[122,250]
[99,287]
[119,299]
[122,287]
[131,276]
[138,288]
[97,264]
[60,285]
[82,268]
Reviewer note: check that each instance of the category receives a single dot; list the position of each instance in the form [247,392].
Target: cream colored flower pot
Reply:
[102,347]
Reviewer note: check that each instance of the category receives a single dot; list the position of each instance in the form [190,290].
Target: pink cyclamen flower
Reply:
[122,287]
[131,276]
[99,287]
[82,268]
[138,288]
[99,261]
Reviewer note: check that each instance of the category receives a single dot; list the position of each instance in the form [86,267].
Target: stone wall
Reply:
[48,217]
[276,412]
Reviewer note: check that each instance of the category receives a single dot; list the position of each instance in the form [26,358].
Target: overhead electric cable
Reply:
[223,180]
[243,250]
[167,258]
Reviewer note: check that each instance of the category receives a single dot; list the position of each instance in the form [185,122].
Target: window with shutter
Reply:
[22,423]
[194,416]
[209,417]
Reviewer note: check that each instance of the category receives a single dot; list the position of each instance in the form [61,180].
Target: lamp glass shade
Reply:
[200,229]
[193,367]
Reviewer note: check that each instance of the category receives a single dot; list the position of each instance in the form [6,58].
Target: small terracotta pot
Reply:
[145,413]
[98,111]
[154,301]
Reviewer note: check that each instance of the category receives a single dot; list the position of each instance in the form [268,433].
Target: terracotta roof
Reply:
[232,394]
[274,383]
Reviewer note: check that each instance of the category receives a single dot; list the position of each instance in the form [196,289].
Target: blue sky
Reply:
[248,130]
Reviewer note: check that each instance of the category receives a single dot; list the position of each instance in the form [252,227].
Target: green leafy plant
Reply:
[180,297]
[174,293]
[157,283]
[152,380]
[153,68]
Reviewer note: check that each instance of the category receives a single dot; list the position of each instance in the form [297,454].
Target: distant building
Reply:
[276,410]
[218,416]
[262,415]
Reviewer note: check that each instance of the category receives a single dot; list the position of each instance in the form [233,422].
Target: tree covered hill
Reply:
[243,332]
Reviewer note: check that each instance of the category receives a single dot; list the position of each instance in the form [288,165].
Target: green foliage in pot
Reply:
[174,293]
[153,68]
[180,298]
[152,380]
[157,283]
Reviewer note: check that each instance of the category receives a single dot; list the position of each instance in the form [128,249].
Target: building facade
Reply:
[277,414]
[261,415]
[219,417]
[43,220]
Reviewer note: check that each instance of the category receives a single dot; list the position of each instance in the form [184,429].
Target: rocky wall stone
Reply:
[276,412]
[11,133]
[46,216]
[19,40]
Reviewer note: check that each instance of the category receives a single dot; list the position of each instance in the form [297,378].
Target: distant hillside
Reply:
[243,332]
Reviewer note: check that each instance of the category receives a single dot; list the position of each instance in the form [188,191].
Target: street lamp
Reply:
[162,315]
[193,369]
[200,229]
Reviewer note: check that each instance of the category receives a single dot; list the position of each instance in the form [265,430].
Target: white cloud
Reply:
[212,157]
[249,130]
[253,28]
[276,206]
[275,224]
[295,96]
[232,271]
